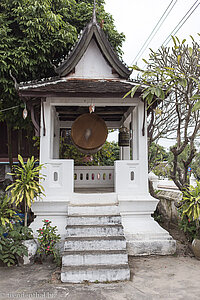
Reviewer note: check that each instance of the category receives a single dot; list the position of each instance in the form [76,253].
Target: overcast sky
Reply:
[137,18]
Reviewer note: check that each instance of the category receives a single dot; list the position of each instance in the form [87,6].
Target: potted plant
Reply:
[26,186]
[190,208]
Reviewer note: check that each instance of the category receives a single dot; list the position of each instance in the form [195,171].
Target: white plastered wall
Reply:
[144,236]
[93,65]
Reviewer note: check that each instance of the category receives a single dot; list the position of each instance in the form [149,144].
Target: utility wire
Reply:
[150,37]
[177,28]
[5,109]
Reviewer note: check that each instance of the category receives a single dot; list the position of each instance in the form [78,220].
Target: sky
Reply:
[137,18]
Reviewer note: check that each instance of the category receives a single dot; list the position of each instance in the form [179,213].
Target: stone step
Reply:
[94,230]
[93,220]
[80,258]
[96,273]
[94,243]
[93,210]
[94,199]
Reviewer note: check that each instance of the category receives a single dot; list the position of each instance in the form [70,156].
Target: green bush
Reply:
[187,226]
[47,239]
[26,186]
[189,211]
[7,213]
[11,247]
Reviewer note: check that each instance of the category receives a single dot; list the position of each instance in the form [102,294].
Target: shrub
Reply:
[47,239]
[26,186]
[189,211]
[11,246]
[7,213]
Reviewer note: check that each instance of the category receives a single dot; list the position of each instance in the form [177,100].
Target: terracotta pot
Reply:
[196,248]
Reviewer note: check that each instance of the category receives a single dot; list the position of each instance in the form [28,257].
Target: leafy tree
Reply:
[157,154]
[172,77]
[158,160]
[35,36]
[104,157]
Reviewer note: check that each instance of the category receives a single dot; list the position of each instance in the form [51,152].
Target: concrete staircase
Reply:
[95,247]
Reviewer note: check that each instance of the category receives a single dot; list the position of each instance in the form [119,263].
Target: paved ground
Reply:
[156,277]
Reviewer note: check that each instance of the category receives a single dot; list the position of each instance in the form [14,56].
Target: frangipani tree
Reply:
[26,186]
[171,80]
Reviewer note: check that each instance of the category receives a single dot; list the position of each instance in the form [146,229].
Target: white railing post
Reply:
[193,180]
[154,179]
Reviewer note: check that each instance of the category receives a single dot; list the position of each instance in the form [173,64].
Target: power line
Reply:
[156,31]
[5,109]
[177,28]
[150,37]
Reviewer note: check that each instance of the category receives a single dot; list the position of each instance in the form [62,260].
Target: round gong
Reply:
[89,133]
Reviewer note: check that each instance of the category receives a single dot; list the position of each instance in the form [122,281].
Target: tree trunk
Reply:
[25,213]
[19,140]
[9,140]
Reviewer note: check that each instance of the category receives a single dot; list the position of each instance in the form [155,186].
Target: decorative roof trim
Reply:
[93,30]
[94,18]
[37,84]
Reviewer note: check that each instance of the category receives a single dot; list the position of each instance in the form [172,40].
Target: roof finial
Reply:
[94,19]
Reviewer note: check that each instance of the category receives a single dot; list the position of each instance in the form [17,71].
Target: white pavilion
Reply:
[102,212]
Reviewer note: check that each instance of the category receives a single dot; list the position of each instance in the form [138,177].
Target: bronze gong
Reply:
[89,133]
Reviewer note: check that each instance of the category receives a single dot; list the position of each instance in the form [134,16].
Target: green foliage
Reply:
[171,79]
[26,186]
[187,226]
[157,155]
[182,157]
[157,216]
[191,202]
[169,70]
[11,247]
[105,157]
[189,211]
[7,213]
[47,239]
[35,34]
[196,166]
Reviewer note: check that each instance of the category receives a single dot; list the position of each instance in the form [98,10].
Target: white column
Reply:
[134,127]
[126,150]
[120,153]
[143,235]
[45,140]
[142,151]
[59,176]
[125,153]
[56,134]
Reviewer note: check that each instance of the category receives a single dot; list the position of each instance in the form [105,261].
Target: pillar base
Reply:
[144,236]
[151,245]
[55,211]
